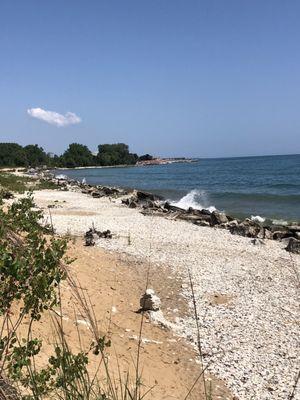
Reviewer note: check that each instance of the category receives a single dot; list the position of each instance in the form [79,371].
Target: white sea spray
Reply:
[257,218]
[197,199]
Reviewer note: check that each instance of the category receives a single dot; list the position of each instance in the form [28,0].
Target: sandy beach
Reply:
[247,295]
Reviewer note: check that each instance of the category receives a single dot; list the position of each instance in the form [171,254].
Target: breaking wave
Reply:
[197,199]
[257,218]
[61,176]
[279,222]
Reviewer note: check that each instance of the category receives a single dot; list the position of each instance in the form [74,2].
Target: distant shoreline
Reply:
[155,162]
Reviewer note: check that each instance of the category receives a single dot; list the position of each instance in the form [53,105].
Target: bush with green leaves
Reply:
[31,269]
[33,263]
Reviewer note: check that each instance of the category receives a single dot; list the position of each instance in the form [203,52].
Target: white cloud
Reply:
[53,117]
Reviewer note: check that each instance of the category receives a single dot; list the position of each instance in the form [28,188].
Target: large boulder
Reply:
[218,218]
[268,233]
[170,207]
[279,235]
[293,246]
[247,228]
[145,196]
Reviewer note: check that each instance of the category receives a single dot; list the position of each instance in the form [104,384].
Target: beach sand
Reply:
[247,295]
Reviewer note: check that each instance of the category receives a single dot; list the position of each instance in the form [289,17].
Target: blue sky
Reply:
[168,77]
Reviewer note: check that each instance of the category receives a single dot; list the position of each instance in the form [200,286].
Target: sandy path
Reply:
[252,340]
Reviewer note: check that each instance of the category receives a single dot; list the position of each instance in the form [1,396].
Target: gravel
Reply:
[251,341]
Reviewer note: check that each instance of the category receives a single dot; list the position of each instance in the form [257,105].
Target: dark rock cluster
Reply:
[151,204]
[92,235]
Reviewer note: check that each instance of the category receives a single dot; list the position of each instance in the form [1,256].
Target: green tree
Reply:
[115,154]
[145,157]
[77,155]
[35,155]
[12,155]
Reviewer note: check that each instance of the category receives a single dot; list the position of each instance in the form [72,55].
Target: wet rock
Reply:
[170,207]
[145,196]
[204,211]
[294,228]
[279,235]
[247,228]
[150,301]
[232,223]
[218,218]
[278,228]
[293,246]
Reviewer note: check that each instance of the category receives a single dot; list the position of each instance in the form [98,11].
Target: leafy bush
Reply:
[32,266]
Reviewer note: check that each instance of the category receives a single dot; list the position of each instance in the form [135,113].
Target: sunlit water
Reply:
[268,187]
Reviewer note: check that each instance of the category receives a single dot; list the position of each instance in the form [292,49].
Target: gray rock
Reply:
[132,204]
[201,222]
[293,246]
[150,301]
[279,235]
[218,218]
[169,207]
[145,196]
[268,234]
[247,228]
[96,194]
[257,242]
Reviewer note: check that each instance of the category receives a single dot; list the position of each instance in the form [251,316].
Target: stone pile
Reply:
[92,235]
[150,301]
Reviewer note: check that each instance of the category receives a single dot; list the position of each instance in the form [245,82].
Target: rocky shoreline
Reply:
[151,204]
[247,295]
[246,288]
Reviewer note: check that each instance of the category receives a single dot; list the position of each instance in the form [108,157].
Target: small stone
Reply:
[257,242]
[150,301]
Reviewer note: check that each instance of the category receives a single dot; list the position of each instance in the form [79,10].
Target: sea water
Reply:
[264,188]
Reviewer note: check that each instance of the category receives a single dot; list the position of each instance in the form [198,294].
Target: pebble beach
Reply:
[247,294]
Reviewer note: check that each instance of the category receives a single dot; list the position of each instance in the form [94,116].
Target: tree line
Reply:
[76,155]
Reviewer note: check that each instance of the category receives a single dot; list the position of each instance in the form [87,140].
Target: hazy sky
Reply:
[168,77]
